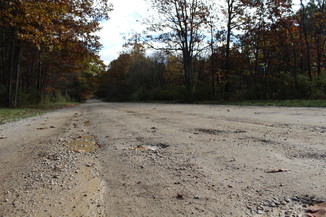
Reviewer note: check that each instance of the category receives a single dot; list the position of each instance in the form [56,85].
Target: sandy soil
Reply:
[130,159]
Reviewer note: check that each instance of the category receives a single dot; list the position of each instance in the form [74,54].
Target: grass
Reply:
[288,103]
[7,115]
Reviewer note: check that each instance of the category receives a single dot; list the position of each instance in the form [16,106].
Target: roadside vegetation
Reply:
[238,52]
[200,55]
[9,114]
[48,49]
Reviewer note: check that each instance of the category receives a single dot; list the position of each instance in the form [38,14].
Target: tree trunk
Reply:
[227,52]
[12,68]
[319,61]
[39,78]
[18,69]
[295,63]
[187,65]
[212,63]
[305,34]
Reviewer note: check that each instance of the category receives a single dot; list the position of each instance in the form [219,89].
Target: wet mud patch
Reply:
[87,123]
[208,131]
[262,141]
[131,112]
[82,144]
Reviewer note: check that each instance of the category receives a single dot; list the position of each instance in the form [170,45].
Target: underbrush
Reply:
[7,114]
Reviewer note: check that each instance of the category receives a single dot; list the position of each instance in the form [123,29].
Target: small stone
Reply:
[180,197]
[5,200]
[260,208]
[196,197]
[295,199]
[260,212]
[288,212]
[266,203]
[276,202]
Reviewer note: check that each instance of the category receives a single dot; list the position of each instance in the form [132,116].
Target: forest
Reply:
[49,50]
[193,50]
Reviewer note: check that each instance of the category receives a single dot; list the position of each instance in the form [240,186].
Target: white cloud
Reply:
[124,19]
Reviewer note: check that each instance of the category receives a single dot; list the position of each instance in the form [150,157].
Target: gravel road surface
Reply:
[134,159]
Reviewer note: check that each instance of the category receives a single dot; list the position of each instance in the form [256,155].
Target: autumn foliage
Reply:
[244,50]
[48,48]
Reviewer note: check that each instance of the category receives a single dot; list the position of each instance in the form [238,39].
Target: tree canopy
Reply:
[47,45]
[192,50]
[233,50]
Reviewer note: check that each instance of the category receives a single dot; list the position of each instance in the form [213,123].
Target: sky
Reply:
[123,20]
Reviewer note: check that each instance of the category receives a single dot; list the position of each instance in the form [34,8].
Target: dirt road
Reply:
[130,159]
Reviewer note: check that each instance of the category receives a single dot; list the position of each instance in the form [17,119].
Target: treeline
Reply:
[48,49]
[265,51]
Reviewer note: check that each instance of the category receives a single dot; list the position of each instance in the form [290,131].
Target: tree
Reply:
[37,29]
[312,22]
[180,24]
[235,9]
[305,35]
[116,77]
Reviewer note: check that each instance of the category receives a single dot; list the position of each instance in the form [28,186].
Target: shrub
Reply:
[3,96]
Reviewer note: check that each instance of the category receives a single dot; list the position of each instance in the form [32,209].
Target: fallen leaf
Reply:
[87,123]
[240,131]
[276,170]
[139,148]
[79,151]
[317,210]
[3,137]
[41,128]
[59,167]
